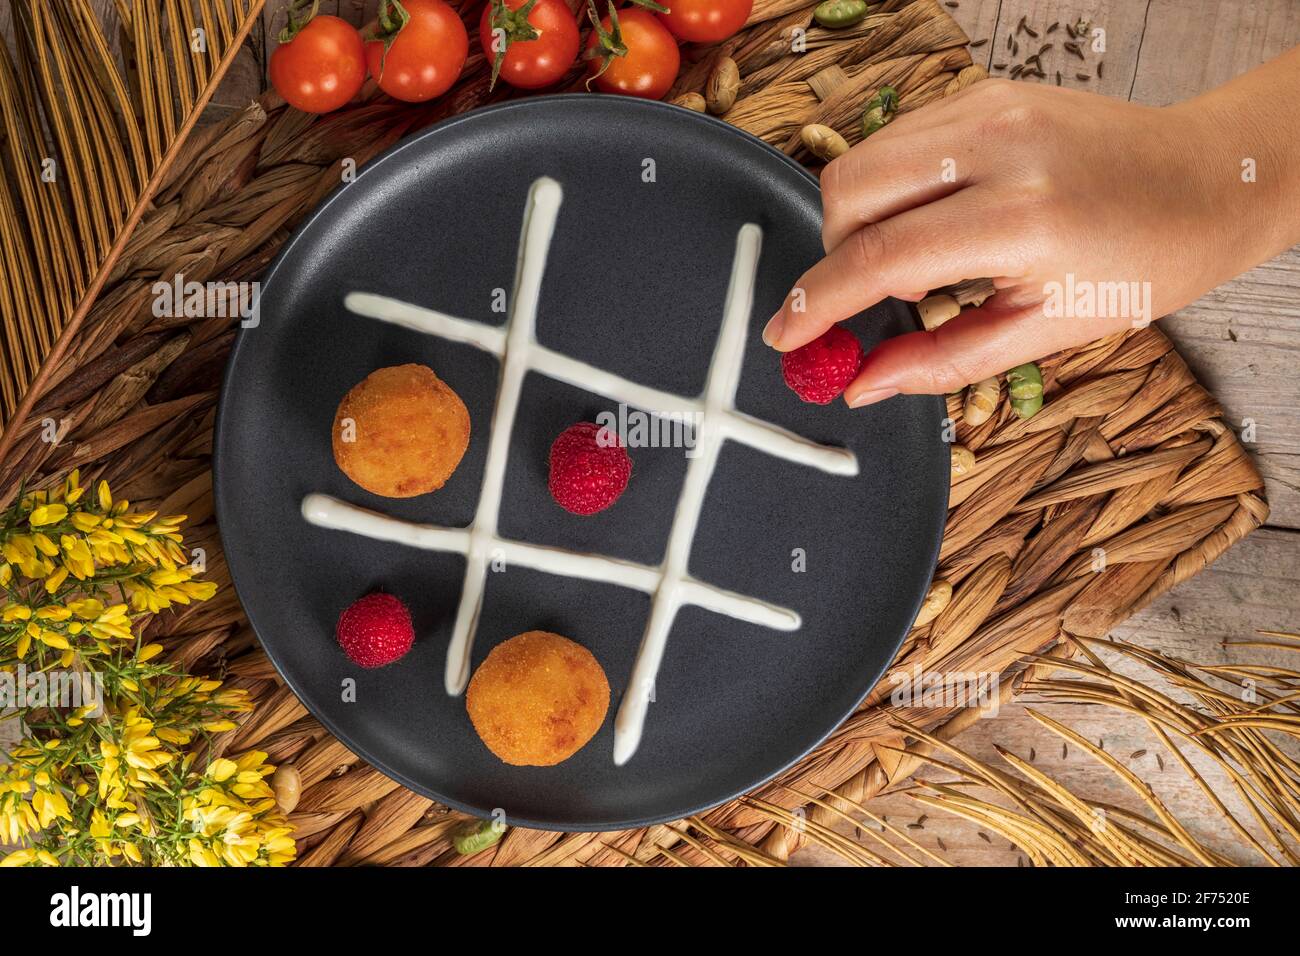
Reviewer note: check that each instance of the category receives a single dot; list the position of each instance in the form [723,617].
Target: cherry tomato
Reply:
[705,21]
[322,67]
[540,46]
[426,56]
[649,66]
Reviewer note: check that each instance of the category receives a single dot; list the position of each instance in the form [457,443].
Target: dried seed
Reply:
[922,818]
[1033,754]
[1161,761]
[823,142]
[935,310]
[1082,76]
[999,66]
[963,460]
[286,783]
[936,599]
[1010,40]
[723,85]
[1052,28]
[952,4]
[1015,47]
[1136,754]
[1016,70]
[1065,751]
[1070,30]
[1021,25]
[915,826]
[1031,31]
[1100,65]
[1033,59]
[981,401]
[985,837]
[1074,48]
[939,840]
[976,44]
[1045,47]
[1058,77]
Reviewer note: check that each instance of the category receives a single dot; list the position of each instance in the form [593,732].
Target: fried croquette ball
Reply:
[537,699]
[401,432]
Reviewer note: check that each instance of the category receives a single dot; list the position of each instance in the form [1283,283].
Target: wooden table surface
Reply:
[1242,340]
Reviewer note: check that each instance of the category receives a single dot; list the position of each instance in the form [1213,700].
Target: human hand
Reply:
[1048,192]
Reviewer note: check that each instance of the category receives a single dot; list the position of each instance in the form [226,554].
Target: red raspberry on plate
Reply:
[376,630]
[821,370]
[589,468]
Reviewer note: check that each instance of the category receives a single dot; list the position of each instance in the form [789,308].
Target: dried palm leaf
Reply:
[86,142]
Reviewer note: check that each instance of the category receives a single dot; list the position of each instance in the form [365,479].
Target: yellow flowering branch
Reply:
[111,780]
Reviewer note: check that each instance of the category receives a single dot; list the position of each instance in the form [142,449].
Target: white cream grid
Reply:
[670,585]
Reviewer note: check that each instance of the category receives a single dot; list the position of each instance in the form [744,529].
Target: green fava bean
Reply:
[838,14]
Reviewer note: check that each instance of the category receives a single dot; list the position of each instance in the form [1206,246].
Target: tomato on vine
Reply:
[706,21]
[532,43]
[418,49]
[320,63]
[632,53]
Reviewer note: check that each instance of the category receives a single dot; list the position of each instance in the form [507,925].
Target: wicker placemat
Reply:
[1128,455]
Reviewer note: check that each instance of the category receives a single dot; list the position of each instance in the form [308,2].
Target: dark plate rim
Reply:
[226,400]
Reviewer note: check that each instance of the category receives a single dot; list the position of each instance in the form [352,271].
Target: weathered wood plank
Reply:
[1121,21]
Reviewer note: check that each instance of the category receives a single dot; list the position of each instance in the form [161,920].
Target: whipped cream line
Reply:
[324,511]
[719,397]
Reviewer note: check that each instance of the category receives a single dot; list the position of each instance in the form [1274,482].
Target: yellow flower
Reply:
[46,515]
[105,496]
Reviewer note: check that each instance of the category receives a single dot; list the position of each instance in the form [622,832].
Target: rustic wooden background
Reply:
[1242,340]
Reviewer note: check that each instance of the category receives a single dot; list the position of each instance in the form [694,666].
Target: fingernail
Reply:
[772,331]
[870,396]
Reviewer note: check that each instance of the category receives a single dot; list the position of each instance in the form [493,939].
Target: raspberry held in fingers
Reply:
[820,371]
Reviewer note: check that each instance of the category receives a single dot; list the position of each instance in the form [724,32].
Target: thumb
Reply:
[976,345]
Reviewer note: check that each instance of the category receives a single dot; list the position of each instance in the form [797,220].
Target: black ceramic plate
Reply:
[635,284]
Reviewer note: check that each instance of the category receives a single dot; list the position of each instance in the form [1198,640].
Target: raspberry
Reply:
[589,469]
[821,370]
[376,630]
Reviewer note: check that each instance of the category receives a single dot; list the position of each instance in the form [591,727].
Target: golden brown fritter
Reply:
[537,699]
[401,432]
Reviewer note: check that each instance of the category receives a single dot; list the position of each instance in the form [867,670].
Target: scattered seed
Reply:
[921,819]
[1136,754]
[915,826]
[976,44]
[1015,47]
[1074,48]
[1231,334]
[1161,761]
[1100,65]
[984,836]
[939,840]
[952,4]
[1082,76]
[1033,59]
[1020,861]
[999,66]
[1021,25]
[1065,749]
[1101,744]
[1032,754]
[1016,70]
[1045,47]
[1058,77]
[1070,30]
[1052,28]
[1032,32]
